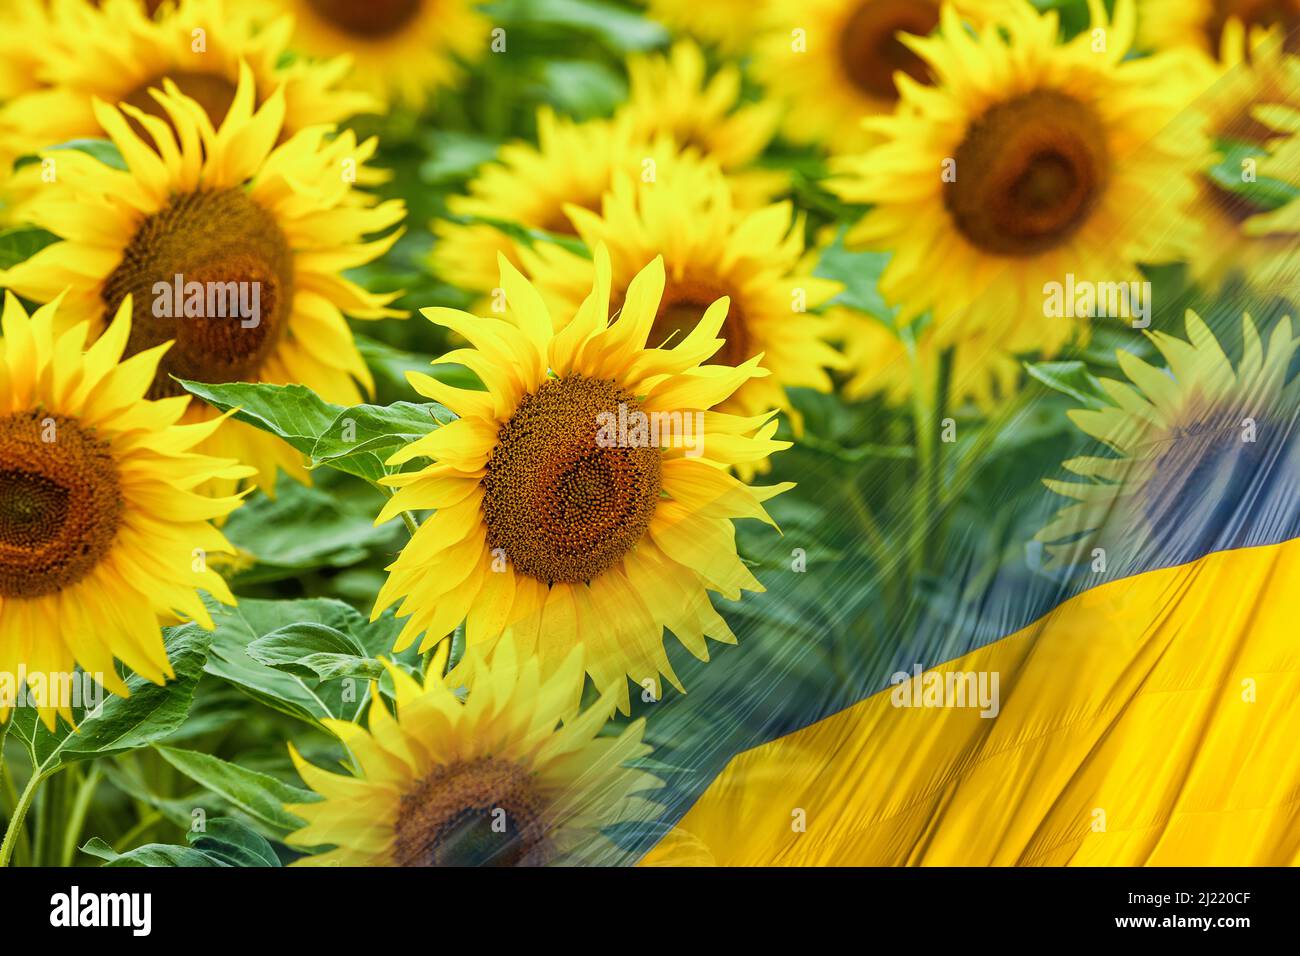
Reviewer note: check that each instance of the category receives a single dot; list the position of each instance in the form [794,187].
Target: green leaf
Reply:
[104,150]
[860,273]
[259,795]
[309,649]
[1070,378]
[619,29]
[454,156]
[304,528]
[377,430]
[306,699]
[1264,194]
[223,842]
[293,412]
[151,854]
[150,713]
[582,89]
[309,423]
[126,776]
[20,244]
[234,844]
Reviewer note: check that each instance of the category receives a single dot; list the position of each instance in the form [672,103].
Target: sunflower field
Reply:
[675,433]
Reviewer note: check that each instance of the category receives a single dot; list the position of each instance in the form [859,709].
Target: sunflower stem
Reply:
[6,782]
[1008,413]
[455,649]
[9,793]
[923,407]
[40,814]
[866,520]
[77,818]
[54,813]
[19,815]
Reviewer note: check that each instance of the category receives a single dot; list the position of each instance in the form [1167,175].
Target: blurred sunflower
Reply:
[494,781]
[402,50]
[1204,24]
[879,359]
[1266,77]
[25,33]
[529,186]
[1283,161]
[709,251]
[1199,444]
[116,52]
[675,94]
[882,362]
[101,527]
[833,62]
[1029,160]
[727,24]
[558,515]
[1281,227]
[219,207]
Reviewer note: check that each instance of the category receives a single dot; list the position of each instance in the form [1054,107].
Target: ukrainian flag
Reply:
[1122,688]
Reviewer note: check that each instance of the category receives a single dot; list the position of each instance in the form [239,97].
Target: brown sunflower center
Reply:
[870,50]
[60,503]
[484,812]
[563,504]
[372,20]
[1255,13]
[230,304]
[211,91]
[1028,173]
[683,305]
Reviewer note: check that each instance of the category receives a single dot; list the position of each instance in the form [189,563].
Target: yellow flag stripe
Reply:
[1152,720]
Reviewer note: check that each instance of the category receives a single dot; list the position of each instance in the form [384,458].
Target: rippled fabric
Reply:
[1148,721]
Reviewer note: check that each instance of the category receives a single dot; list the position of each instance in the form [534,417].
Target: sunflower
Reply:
[1268,76]
[676,95]
[491,781]
[727,24]
[886,363]
[117,53]
[572,164]
[102,532]
[1197,444]
[1281,227]
[1203,25]
[582,499]
[230,210]
[1283,162]
[25,33]
[832,62]
[709,250]
[1028,162]
[403,50]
